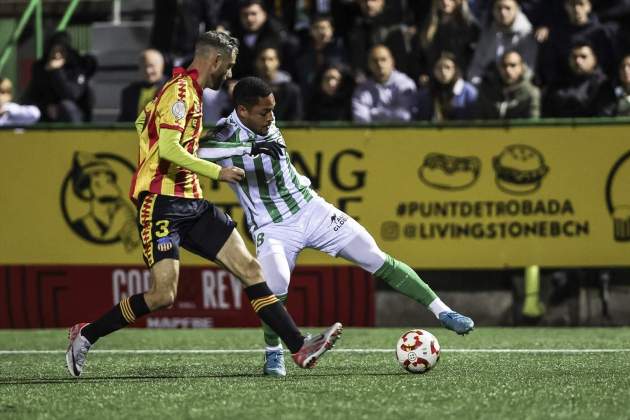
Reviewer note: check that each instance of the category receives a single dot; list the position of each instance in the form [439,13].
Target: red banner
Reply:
[59,296]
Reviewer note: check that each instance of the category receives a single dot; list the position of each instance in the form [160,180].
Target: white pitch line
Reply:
[342,350]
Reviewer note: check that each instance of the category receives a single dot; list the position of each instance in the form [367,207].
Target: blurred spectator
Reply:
[322,49]
[373,27]
[299,16]
[510,30]
[480,8]
[581,25]
[60,82]
[622,92]
[450,27]
[137,94]
[258,30]
[448,96]
[218,103]
[510,94]
[587,92]
[177,24]
[12,113]
[617,12]
[331,99]
[296,16]
[419,11]
[287,94]
[388,95]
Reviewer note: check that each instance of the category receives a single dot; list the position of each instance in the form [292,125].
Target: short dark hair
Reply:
[246,3]
[249,90]
[269,46]
[217,40]
[580,42]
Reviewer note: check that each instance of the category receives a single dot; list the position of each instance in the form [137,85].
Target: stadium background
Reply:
[569,228]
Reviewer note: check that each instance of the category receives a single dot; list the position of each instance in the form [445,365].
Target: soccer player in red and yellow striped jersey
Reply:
[172,213]
[169,129]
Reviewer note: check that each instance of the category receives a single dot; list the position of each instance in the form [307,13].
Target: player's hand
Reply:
[231,174]
[271,148]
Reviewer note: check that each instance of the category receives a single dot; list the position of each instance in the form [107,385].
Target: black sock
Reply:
[273,313]
[121,315]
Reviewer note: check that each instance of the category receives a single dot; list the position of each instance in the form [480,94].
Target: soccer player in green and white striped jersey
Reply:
[285,215]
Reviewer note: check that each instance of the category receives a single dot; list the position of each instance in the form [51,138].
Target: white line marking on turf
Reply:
[342,350]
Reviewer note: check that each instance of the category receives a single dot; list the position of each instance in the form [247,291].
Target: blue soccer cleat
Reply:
[456,322]
[274,363]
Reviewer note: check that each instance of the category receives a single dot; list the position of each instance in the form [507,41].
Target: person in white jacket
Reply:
[510,31]
[12,113]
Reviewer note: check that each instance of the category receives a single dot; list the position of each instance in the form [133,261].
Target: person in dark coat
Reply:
[586,93]
[289,105]
[137,94]
[509,92]
[257,30]
[331,99]
[373,27]
[449,27]
[322,49]
[59,83]
[581,25]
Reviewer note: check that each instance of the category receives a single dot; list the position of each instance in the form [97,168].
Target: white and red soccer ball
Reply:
[418,351]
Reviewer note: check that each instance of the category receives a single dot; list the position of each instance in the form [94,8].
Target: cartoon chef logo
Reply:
[618,197]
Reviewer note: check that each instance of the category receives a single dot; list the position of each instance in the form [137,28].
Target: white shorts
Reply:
[319,225]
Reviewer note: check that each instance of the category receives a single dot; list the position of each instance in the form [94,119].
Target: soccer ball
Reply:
[418,351]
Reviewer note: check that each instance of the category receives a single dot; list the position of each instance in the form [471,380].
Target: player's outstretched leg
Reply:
[404,279]
[305,350]
[162,295]
[364,251]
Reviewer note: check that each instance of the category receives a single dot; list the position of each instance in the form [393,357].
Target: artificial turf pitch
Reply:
[546,374]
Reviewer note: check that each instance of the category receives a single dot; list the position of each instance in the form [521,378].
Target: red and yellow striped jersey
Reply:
[176,107]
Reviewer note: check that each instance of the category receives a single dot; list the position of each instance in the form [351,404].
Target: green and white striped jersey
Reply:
[272,190]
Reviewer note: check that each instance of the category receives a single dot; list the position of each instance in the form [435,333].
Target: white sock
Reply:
[273,348]
[437,307]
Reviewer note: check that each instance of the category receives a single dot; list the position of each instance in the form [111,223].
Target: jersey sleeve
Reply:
[223,142]
[173,106]
[171,150]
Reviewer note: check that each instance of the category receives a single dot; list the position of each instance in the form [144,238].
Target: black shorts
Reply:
[166,223]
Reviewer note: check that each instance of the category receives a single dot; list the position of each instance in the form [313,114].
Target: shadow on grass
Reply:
[151,378]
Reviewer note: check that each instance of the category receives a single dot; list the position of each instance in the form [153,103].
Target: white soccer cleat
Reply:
[315,347]
[77,350]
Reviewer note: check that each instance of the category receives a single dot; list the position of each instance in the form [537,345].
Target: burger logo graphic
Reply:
[445,172]
[519,169]
[618,197]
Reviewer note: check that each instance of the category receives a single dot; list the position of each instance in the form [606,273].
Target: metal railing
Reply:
[35,7]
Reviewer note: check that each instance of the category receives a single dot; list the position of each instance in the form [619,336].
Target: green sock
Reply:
[271,338]
[402,278]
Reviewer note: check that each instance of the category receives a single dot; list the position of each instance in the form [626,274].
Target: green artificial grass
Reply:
[344,385]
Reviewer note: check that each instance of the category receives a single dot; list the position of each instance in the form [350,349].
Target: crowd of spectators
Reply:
[380,60]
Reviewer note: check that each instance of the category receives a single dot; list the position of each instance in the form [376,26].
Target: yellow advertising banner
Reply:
[435,198]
